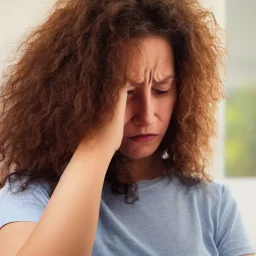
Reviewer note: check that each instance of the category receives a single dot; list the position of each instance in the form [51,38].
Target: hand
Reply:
[110,136]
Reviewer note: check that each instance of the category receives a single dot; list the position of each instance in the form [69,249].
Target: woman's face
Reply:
[151,96]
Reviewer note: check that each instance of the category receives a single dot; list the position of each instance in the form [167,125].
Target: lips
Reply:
[141,135]
[143,138]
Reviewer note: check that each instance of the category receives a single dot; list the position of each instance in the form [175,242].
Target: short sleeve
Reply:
[27,205]
[232,236]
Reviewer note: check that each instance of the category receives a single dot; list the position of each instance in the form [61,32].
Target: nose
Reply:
[145,111]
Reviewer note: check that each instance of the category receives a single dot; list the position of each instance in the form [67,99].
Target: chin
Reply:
[138,153]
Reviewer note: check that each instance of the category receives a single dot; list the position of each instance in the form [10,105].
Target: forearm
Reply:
[69,223]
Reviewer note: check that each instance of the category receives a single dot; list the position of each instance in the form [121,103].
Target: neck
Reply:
[147,168]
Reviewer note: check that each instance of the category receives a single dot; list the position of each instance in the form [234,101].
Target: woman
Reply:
[105,135]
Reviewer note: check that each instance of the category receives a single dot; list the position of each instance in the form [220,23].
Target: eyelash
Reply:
[159,92]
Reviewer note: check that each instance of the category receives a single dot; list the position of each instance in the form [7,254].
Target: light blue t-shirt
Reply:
[168,220]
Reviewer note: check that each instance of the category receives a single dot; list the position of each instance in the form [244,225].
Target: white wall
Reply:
[17,17]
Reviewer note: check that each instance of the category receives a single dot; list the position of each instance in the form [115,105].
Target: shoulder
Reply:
[27,205]
[217,209]
[210,199]
[220,195]
[206,191]
[11,190]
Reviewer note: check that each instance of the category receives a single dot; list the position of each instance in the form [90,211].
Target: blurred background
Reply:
[235,157]
[235,160]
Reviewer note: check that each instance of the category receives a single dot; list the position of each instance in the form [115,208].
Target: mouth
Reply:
[143,137]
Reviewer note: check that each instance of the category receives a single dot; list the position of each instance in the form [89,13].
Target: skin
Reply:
[149,72]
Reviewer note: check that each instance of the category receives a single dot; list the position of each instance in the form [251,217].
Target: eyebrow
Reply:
[154,81]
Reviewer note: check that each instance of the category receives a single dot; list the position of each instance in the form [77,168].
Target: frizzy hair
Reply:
[65,84]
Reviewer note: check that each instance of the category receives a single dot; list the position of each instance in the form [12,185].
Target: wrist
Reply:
[93,150]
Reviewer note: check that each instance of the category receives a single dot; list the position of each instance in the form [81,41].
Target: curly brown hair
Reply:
[71,69]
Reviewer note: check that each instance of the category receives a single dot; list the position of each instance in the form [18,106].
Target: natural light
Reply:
[233,164]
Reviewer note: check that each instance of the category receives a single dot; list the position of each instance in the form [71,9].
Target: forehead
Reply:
[149,55]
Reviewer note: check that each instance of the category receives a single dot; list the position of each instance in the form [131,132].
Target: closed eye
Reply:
[160,92]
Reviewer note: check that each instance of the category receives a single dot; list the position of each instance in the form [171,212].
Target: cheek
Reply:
[168,106]
[128,113]
[165,109]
